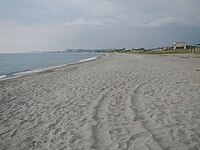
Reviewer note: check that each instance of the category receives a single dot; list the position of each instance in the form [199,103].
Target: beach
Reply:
[117,102]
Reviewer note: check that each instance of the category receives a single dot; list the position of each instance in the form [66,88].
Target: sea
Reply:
[19,64]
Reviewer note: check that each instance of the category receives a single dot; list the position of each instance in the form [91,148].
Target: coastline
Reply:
[33,71]
[118,102]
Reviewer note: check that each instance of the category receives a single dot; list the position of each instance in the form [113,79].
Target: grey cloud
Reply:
[60,24]
[84,22]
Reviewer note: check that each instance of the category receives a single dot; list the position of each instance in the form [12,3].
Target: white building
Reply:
[180,45]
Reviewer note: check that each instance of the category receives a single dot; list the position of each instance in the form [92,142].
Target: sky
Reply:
[45,25]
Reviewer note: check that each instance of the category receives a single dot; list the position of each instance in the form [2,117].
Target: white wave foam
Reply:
[89,59]
[2,76]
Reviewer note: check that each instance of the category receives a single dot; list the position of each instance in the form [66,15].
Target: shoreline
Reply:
[35,71]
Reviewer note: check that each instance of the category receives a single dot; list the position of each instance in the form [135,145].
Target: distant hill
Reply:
[83,51]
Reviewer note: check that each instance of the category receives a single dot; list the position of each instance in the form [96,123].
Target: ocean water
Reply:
[12,65]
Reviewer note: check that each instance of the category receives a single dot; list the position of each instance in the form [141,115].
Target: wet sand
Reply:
[118,102]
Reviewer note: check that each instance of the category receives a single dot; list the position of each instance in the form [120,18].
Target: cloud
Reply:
[166,21]
[178,23]
[60,24]
[84,22]
[162,22]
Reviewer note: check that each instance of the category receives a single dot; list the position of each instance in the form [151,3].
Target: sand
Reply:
[118,102]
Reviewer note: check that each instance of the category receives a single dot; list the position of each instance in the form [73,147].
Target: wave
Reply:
[89,59]
[2,76]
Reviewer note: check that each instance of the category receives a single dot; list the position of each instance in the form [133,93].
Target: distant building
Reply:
[180,45]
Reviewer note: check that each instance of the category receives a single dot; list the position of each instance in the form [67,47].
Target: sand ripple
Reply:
[118,102]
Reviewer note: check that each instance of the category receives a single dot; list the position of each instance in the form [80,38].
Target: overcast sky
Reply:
[37,25]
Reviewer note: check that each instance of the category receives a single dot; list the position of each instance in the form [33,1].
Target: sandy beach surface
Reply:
[117,102]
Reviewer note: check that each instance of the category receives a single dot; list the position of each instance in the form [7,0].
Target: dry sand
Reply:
[121,101]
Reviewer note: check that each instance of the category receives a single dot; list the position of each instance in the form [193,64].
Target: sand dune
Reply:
[118,102]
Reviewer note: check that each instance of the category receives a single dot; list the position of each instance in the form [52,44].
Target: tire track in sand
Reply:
[117,123]
[144,139]
[102,139]
[126,122]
